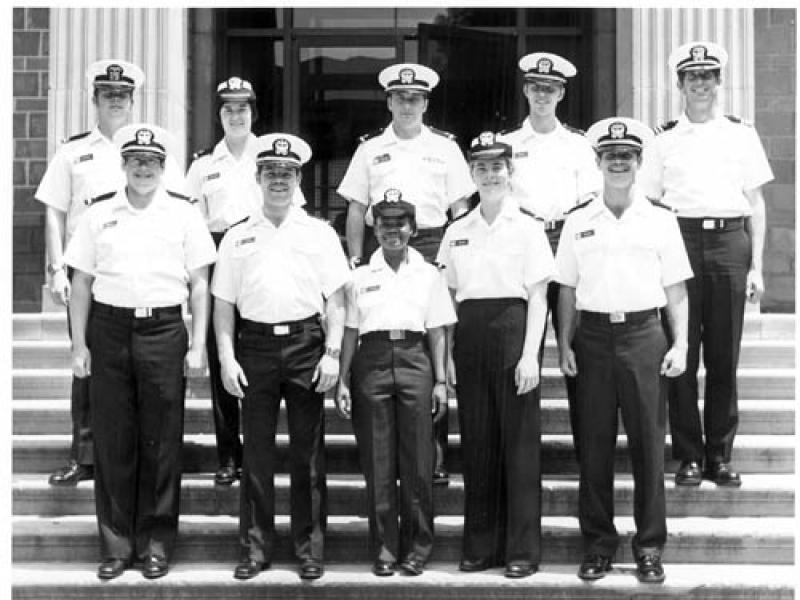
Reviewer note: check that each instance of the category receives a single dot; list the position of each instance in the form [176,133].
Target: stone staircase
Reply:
[723,543]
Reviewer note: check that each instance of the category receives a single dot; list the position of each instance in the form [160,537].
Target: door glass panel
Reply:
[266,75]
[328,17]
[340,100]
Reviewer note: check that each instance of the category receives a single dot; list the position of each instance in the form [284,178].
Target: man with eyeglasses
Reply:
[710,169]
[554,166]
[620,261]
[425,164]
[85,167]
[281,269]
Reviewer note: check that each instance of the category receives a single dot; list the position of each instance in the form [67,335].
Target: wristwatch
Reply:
[332,352]
[53,268]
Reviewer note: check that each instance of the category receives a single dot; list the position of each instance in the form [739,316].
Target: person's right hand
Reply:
[344,403]
[233,378]
[60,287]
[569,366]
[81,362]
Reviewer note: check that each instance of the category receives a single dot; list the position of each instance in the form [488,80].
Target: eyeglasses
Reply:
[700,75]
[622,155]
[149,162]
[543,88]
[115,94]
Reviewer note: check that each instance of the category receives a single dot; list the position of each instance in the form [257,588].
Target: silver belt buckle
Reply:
[142,312]
[280,330]
[616,317]
[709,223]
[397,334]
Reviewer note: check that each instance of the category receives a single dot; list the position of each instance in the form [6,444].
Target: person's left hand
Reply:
[194,363]
[439,401]
[326,373]
[674,363]
[526,375]
[755,286]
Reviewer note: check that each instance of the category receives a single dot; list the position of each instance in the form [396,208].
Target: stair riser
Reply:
[556,500]
[557,458]
[351,544]
[48,356]
[37,386]
[554,421]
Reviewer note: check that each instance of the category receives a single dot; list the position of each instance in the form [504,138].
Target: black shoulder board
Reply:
[442,133]
[201,153]
[438,265]
[102,197]
[579,206]
[665,127]
[239,222]
[181,197]
[572,129]
[77,136]
[738,120]
[660,204]
[525,211]
[371,134]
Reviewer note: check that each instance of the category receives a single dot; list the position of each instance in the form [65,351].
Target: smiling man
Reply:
[281,269]
[620,261]
[710,169]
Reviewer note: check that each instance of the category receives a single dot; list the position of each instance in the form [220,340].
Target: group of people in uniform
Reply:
[641,246]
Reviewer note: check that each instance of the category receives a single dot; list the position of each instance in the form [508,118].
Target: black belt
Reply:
[145,312]
[278,329]
[393,335]
[636,316]
[711,223]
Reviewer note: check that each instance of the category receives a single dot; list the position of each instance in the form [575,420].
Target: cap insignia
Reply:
[407,76]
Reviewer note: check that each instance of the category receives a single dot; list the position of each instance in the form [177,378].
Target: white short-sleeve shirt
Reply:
[429,170]
[226,187]
[553,171]
[414,298]
[141,257]
[704,169]
[277,274]
[621,264]
[500,260]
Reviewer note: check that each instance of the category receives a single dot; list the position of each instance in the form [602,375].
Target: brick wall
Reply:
[30,81]
[775,60]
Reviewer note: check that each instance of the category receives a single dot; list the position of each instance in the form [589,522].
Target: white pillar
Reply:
[155,39]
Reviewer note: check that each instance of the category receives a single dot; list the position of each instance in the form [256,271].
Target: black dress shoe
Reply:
[689,473]
[71,474]
[472,566]
[249,568]
[516,571]
[111,568]
[649,569]
[383,568]
[594,566]
[722,474]
[155,566]
[412,566]
[311,569]
[226,475]
[441,477]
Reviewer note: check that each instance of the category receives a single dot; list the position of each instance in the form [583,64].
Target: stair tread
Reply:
[681,579]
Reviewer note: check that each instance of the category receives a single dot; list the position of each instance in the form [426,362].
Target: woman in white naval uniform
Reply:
[497,263]
[397,380]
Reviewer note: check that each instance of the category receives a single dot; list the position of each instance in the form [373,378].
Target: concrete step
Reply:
[53,325]
[751,454]
[763,383]
[441,581]
[52,416]
[215,538]
[54,354]
[759,496]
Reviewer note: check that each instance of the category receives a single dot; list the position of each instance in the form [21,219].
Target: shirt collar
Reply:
[221,150]
[378,262]
[120,201]
[639,205]
[257,218]
[530,132]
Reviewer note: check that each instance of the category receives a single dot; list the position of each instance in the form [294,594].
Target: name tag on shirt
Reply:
[109,224]
[84,158]
[212,176]
[521,154]
[584,234]
[458,242]
[381,159]
[247,240]
[370,288]
[433,159]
